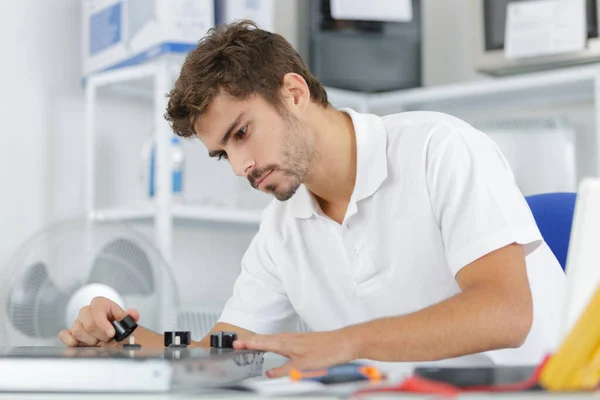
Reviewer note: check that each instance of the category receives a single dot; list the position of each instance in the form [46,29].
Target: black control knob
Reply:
[223,340]
[124,328]
[178,339]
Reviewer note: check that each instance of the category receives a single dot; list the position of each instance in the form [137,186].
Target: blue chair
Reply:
[553,213]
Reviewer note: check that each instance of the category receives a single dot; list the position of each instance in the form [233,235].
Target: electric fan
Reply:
[62,268]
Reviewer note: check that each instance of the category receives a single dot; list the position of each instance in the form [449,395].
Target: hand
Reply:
[305,350]
[93,327]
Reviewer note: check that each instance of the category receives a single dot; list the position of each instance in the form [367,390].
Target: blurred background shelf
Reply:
[136,81]
[528,90]
[182,213]
[217,214]
[123,214]
[544,88]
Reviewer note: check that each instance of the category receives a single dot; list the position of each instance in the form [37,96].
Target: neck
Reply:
[333,173]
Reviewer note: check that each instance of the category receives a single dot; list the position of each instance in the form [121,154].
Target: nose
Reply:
[241,163]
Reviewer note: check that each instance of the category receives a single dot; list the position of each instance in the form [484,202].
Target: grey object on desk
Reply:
[102,370]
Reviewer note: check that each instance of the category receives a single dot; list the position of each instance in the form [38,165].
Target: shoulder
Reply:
[432,131]
[423,123]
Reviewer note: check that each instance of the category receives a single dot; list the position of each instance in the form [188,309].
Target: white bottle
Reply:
[177,166]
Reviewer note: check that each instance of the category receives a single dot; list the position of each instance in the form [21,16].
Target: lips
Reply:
[259,181]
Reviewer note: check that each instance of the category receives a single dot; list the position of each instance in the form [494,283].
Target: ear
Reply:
[295,90]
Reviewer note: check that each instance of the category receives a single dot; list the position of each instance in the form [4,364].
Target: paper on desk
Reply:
[282,386]
[372,10]
[544,27]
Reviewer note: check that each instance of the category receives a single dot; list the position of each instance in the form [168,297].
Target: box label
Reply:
[105,28]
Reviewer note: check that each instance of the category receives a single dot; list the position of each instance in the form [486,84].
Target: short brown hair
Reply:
[241,59]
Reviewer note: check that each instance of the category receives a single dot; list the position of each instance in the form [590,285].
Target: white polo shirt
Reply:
[432,195]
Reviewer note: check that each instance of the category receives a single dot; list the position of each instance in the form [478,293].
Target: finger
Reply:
[278,372]
[96,321]
[116,313]
[68,339]
[240,345]
[271,343]
[82,336]
[88,323]
[134,314]
[109,344]
[70,351]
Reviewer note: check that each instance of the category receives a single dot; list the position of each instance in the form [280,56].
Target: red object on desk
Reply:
[417,384]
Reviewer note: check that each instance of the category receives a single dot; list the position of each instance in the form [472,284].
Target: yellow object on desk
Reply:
[576,364]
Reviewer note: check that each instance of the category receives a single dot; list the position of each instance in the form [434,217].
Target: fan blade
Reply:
[35,306]
[124,266]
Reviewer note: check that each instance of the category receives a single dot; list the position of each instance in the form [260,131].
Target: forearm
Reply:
[470,322]
[222,327]
[147,338]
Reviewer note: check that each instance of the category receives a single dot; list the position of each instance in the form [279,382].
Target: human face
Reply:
[272,149]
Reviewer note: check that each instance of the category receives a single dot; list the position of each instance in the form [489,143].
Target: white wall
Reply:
[41,146]
[42,149]
[34,74]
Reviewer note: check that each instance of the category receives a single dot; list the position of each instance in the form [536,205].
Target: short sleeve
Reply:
[474,197]
[259,302]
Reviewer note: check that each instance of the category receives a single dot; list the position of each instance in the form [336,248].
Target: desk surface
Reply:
[304,397]
[271,361]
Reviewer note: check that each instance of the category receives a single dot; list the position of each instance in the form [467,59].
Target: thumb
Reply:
[134,314]
[116,312]
[278,372]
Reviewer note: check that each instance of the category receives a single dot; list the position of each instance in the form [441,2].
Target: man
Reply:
[401,238]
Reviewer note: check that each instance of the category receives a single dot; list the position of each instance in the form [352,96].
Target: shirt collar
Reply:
[371,166]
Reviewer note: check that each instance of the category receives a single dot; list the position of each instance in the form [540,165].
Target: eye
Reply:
[241,133]
[222,155]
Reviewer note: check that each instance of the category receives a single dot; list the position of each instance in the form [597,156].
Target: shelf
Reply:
[533,89]
[123,214]
[136,81]
[182,213]
[217,214]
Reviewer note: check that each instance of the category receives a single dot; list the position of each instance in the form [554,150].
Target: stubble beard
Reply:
[298,155]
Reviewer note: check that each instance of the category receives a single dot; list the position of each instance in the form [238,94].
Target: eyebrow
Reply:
[227,135]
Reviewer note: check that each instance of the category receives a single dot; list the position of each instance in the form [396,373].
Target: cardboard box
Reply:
[260,11]
[119,33]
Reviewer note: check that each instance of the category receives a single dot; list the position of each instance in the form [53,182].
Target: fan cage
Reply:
[68,249]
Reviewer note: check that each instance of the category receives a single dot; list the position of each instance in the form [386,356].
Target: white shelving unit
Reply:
[154,79]
[150,81]
[181,212]
[535,89]
[549,88]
